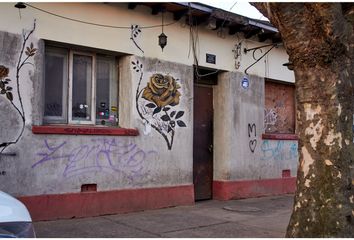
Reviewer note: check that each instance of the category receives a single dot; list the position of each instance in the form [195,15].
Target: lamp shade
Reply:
[162,40]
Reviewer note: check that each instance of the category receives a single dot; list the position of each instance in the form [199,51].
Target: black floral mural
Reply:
[6,90]
[156,103]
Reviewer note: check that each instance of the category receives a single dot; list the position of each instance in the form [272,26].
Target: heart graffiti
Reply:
[252,132]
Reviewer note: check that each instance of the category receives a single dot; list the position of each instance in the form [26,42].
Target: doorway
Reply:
[203,142]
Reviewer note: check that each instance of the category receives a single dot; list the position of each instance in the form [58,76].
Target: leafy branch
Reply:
[135,30]
[29,51]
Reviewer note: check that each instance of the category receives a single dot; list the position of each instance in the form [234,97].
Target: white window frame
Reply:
[93,89]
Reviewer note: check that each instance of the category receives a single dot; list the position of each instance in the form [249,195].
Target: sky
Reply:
[239,7]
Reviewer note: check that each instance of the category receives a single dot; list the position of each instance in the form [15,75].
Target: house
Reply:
[99,115]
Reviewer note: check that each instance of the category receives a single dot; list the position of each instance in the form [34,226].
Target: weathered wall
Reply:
[47,164]
[114,39]
[162,154]
[238,121]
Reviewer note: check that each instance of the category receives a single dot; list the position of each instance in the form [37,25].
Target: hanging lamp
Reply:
[162,36]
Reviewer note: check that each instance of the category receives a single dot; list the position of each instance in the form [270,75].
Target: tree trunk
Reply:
[319,40]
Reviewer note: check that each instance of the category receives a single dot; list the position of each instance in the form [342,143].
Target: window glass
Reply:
[56,85]
[106,92]
[82,87]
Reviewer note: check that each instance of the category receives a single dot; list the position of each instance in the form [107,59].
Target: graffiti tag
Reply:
[252,131]
[101,155]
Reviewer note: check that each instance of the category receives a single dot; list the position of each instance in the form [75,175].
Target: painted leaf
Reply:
[27,53]
[9,96]
[8,88]
[157,110]
[165,118]
[133,63]
[172,114]
[3,91]
[2,85]
[166,109]
[179,114]
[132,26]
[134,35]
[31,45]
[181,123]
[7,79]
[150,105]
[141,65]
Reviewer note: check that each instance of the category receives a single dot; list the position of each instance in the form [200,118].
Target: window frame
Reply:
[93,88]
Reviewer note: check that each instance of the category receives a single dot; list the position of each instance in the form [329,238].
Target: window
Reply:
[279,111]
[80,87]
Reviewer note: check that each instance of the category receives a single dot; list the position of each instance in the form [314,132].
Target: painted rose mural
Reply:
[162,90]
[157,103]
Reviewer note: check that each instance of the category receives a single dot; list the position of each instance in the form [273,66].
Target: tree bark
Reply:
[319,40]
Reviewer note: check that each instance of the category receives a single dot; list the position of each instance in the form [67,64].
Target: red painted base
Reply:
[88,204]
[226,190]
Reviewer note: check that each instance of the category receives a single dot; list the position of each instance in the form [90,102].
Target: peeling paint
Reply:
[347,142]
[339,206]
[316,132]
[351,199]
[307,161]
[339,175]
[311,112]
[331,137]
[328,162]
[307,182]
[339,110]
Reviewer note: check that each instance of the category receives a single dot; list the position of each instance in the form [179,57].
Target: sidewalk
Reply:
[257,217]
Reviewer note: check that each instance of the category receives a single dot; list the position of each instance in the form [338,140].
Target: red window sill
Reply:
[279,136]
[84,130]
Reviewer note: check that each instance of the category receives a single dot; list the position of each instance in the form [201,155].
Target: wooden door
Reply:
[203,142]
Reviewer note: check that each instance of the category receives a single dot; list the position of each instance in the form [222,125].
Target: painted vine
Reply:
[135,30]
[27,52]
[161,95]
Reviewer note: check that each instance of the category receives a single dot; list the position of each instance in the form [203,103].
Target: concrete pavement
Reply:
[257,217]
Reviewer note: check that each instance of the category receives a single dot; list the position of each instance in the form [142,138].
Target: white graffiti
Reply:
[270,118]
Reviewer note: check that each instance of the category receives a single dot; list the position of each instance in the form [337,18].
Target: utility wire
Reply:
[96,24]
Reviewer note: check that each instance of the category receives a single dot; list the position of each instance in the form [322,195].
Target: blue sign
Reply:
[245,83]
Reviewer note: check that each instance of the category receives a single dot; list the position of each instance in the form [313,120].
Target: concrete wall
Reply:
[238,121]
[47,164]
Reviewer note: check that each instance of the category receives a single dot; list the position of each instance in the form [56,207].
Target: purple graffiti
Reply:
[101,155]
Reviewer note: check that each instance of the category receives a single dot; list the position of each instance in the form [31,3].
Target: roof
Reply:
[215,18]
